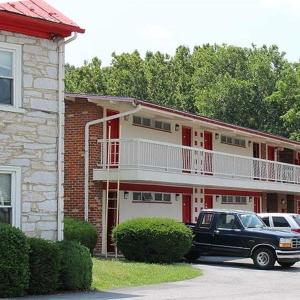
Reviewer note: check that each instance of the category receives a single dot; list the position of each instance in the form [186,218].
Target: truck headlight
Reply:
[285,243]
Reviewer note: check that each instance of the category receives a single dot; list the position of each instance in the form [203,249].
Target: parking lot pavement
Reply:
[222,279]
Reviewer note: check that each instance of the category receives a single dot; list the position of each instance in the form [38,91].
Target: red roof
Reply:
[184,114]
[36,18]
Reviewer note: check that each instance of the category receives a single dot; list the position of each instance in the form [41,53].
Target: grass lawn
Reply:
[109,274]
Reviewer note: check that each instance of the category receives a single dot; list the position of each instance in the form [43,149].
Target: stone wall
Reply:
[29,139]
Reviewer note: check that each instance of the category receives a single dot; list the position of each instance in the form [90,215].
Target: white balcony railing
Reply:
[159,156]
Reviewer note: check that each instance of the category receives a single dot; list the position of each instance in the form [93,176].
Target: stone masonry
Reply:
[29,139]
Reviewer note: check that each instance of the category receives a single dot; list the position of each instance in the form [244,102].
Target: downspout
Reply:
[86,152]
[60,146]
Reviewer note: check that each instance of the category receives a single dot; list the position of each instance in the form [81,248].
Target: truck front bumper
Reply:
[288,256]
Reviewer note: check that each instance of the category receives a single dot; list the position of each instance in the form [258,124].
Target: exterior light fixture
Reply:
[217,136]
[177,127]
[217,198]
[126,195]
[177,197]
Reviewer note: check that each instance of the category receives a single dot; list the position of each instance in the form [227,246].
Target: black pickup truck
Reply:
[242,234]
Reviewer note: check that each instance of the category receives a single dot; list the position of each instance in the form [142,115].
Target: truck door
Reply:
[204,232]
[228,239]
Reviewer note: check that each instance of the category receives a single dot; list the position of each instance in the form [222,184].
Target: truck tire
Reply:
[264,258]
[192,255]
[286,264]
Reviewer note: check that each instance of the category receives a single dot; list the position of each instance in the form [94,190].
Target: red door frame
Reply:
[208,201]
[186,140]
[186,208]
[114,133]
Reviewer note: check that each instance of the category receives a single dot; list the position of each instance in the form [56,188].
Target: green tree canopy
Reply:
[255,87]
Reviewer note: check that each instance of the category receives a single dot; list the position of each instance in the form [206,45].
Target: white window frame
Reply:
[15,173]
[16,50]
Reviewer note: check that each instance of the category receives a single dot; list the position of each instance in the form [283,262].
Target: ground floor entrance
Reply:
[182,204]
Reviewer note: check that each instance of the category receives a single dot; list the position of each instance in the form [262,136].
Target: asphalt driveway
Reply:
[222,279]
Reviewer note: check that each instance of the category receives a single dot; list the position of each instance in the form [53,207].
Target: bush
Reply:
[80,231]
[76,266]
[155,240]
[14,262]
[44,261]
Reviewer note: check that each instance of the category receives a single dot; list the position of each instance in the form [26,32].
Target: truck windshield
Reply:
[251,221]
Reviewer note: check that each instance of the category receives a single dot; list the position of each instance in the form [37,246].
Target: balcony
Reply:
[139,160]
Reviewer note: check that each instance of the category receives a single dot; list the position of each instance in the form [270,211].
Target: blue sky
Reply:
[126,25]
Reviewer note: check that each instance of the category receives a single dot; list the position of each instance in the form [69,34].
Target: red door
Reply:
[208,157]
[271,153]
[186,153]
[111,219]
[186,208]
[271,156]
[208,201]
[113,132]
[208,145]
[257,208]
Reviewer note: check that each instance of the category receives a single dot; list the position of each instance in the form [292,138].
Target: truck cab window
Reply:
[227,221]
[206,220]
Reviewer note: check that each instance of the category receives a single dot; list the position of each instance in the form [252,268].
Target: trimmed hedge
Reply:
[154,240]
[80,231]
[14,262]
[76,266]
[44,260]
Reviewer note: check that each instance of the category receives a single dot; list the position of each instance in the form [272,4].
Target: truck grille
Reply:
[296,243]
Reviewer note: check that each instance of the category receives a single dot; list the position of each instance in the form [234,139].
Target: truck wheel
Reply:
[264,258]
[192,255]
[286,264]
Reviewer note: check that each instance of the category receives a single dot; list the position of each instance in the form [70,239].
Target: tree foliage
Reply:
[255,87]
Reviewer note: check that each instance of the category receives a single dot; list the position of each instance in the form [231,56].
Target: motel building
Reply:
[128,158]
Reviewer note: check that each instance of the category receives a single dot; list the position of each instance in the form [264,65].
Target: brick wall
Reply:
[77,114]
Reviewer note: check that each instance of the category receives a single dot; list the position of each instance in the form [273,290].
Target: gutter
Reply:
[60,146]
[86,152]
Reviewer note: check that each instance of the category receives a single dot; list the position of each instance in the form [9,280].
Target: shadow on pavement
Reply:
[82,296]
[231,262]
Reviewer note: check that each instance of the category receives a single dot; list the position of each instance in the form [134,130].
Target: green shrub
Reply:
[80,231]
[153,239]
[14,262]
[76,266]
[44,261]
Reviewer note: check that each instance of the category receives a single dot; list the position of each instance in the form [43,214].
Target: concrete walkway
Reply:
[226,280]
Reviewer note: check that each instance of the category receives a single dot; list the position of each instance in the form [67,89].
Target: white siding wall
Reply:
[129,210]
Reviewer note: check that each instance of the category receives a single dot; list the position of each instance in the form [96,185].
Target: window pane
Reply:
[167,197]
[158,197]
[266,221]
[6,91]
[297,219]
[137,196]
[280,222]
[206,220]
[147,197]
[167,126]
[6,59]
[226,221]
[5,215]
[5,189]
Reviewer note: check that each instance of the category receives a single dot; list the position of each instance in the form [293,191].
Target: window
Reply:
[227,221]
[10,196]
[234,200]
[151,197]
[266,220]
[233,141]
[206,220]
[280,222]
[10,76]
[151,123]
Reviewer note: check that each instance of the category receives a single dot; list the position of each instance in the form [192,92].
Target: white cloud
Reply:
[290,4]
[156,32]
